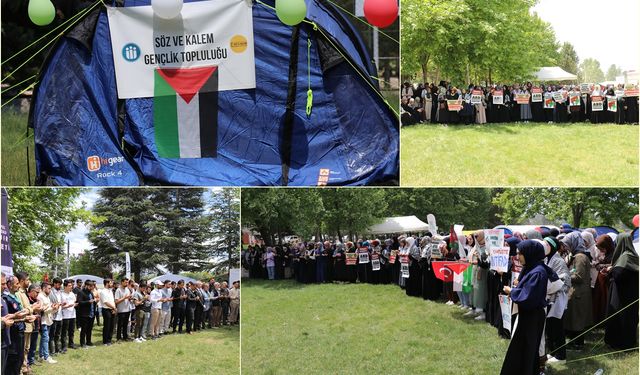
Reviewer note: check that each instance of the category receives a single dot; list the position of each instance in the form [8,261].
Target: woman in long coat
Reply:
[579,313]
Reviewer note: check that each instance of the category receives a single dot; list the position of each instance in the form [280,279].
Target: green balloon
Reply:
[41,12]
[291,12]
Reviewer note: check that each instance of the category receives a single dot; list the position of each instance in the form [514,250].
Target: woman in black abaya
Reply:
[529,297]
[351,271]
[622,329]
[431,285]
[339,267]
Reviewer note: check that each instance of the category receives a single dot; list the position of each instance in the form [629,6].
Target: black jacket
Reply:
[85,301]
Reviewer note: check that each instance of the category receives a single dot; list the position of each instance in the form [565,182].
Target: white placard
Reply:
[205,34]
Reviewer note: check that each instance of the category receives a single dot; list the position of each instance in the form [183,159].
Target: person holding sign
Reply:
[375,265]
[596,105]
[414,282]
[529,298]
[478,258]
[431,285]
[339,266]
[454,116]
[351,257]
[363,261]
[558,301]
[560,114]
[523,97]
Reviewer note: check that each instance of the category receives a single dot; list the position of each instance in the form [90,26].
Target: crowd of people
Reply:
[475,104]
[562,282]
[52,312]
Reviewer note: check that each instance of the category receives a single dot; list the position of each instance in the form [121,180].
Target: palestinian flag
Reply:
[185,112]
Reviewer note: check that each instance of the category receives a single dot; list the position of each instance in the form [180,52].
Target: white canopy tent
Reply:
[99,280]
[399,224]
[172,277]
[554,73]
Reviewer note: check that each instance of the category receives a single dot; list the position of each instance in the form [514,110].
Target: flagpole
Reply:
[68,245]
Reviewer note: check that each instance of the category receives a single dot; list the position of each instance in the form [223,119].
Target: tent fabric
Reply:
[98,280]
[351,132]
[523,228]
[172,277]
[399,224]
[604,229]
[554,73]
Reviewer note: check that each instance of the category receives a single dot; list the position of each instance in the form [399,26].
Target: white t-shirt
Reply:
[57,316]
[69,312]
[123,306]
[156,294]
[106,295]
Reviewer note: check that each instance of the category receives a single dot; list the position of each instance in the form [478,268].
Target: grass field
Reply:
[290,328]
[14,150]
[206,352]
[531,154]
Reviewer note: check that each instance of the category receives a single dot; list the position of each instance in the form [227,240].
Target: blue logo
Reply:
[131,52]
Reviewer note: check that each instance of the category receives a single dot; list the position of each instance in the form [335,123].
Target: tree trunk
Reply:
[425,69]
[490,81]
[578,211]
[468,75]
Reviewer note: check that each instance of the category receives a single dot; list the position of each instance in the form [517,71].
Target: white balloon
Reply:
[167,9]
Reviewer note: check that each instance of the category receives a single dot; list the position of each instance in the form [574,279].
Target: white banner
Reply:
[375,264]
[363,257]
[127,262]
[505,309]
[216,33]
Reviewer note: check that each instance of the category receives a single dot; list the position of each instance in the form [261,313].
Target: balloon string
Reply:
[363,21]
[600,355]
[18,84]
[20,93]
[79,14]
[45,46]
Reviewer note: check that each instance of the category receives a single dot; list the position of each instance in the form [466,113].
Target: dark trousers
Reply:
[123,319]
[556,338]
[225,311]
[178,319]
[68,326]
[54,336]
[190,312]
[107,325]
[15,356]
[198,318]
[86,326]
[31,356]
[5,355]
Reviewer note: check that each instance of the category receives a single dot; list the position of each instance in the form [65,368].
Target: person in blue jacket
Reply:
[529,299]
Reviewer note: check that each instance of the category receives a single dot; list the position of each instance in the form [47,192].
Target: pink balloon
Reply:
[381,13]
[635,220]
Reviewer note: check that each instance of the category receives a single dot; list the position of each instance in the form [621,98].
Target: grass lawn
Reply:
[531,154]
[207,352]
[14,149]
[290,328]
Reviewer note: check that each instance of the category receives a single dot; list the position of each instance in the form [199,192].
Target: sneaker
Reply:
[449,303]
[137,340]
[51,360]
[551,360]
[469,313]
[142,339]
[480,317]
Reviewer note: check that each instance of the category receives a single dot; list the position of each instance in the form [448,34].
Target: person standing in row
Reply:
[157,298]
[49,309]
[122,297]
[56,328]
[179,296]
[166,308]
[108,306]
[192,300]
[216,306]
[86,314]
[68,316]
[234,303]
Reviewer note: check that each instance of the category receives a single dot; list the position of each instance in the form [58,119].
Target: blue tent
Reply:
[77,116]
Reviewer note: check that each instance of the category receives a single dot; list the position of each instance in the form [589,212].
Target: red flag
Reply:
[453,241]
[444,270]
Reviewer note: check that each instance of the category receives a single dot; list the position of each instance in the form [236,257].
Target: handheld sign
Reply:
[574,99]
[548,102]
[597,103]
[392,257]
[631,92]
[494,238]
[363,255]
[619,93]
[558,97]
[536,95]
[522,98]
[498,97]
[435,251]
[404,268]
[454,105]
[350,259]
[585,88]
[505,310]
[612,104]
[476,97]
[375,262]
[499,259]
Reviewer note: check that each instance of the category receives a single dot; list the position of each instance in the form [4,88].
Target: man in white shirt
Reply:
[68,315]
[108,306]
[56,328]
[234,302]
[157,298]
[166,307]
[122,297]
[48,310]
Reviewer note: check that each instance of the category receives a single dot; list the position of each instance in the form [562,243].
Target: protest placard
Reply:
[498,97]
[597,103]
[499,258]
[454,105]
[351,259]
[612,104]
[522,98]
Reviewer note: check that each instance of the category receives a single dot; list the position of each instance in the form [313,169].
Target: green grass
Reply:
[14,150]
[290,328]
[531,154]
[207,352]
[393,98]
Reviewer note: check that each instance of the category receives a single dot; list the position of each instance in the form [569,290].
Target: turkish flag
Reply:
[445,270]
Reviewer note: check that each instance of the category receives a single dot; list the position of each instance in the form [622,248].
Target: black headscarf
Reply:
[513,245]
[533,253]
[554,244]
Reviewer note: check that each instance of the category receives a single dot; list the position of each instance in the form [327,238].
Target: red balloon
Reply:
[635,221]
[381,13]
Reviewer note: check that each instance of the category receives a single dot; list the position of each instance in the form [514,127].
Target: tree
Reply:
[582,207]
[84,263]
[225,228]
[590,71]
[613,72]
[474,40]
[39,219]
[568,58]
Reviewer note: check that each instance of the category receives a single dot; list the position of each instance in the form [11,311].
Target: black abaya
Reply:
[622,329]
[431,285]
[414,282]
[522,355]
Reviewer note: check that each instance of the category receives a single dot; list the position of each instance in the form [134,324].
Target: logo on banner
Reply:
[131,52]
[93,163]
[238,43]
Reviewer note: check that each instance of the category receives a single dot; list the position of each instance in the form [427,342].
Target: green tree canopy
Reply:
[613,72]
[568,58]
[590,71]
[466,41]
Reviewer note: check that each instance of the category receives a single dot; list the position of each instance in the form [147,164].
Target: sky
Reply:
[608,31]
